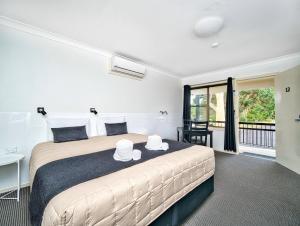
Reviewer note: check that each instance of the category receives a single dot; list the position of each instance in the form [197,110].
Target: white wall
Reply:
[36,71]
[287,110]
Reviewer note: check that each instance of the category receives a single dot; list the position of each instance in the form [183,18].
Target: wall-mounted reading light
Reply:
[164,112]
[93,110]
[41,110]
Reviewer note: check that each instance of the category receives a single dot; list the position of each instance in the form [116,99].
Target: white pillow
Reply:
[108,119]
[58,122]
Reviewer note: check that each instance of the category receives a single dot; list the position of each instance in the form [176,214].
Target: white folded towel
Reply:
[136,155]
[124,150]
[165,146]
[154,143]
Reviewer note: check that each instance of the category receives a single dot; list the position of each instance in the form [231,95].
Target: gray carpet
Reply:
[13,213]
[248,191]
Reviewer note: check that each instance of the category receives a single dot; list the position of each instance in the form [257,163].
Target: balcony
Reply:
[254,138]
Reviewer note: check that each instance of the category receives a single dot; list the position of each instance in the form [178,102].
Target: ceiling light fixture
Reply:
[208,26]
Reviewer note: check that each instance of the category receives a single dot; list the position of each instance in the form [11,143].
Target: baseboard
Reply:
[14,188]
[228,152]
[259,156]
[288,166]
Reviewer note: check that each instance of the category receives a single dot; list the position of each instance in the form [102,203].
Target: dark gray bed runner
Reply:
[57,176]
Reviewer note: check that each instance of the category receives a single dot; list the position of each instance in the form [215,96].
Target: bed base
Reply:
[179,211]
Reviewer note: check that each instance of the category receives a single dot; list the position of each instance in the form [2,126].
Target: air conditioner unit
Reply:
[124,66]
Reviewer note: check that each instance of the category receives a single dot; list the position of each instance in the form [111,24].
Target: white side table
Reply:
[7,159]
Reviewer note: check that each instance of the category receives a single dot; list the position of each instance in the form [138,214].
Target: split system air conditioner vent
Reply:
[124,66]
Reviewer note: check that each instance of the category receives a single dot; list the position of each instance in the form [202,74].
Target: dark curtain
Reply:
[186,102]
[186,108]
[229,139]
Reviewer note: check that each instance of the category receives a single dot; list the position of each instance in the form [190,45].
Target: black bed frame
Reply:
[179,211]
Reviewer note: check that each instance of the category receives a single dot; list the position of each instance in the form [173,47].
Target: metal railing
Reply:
[257,134]
[252,133]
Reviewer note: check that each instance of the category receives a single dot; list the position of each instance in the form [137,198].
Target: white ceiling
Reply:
[160,32]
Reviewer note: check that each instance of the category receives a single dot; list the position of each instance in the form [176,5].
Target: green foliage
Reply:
[257,105]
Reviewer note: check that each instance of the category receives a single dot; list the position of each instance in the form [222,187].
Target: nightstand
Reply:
[7,159]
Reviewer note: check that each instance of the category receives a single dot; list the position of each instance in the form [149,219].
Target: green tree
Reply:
[257,105]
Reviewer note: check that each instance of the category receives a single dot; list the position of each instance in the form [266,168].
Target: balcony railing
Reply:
[257,134]
[253,134]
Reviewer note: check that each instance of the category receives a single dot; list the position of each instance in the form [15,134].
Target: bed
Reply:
[161,190]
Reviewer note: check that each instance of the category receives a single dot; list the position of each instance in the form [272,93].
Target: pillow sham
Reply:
[116,128]
[64,134]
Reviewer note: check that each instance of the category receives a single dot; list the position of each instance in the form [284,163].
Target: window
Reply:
[199,105]
[208,104]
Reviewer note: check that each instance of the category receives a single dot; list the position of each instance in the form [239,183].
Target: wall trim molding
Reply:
[20,26]
[33,30]
[270,66]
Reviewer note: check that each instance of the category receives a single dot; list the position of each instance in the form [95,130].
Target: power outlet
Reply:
[11,150]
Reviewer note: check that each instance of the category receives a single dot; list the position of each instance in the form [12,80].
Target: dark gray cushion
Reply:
[64,134]
[116,128]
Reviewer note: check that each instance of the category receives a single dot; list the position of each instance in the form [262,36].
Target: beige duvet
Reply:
[133,196]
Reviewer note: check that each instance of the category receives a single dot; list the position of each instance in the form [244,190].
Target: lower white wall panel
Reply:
[218,140]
